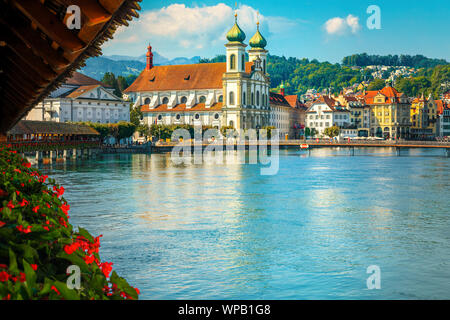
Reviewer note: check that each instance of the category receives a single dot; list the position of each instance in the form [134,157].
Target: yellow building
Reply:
[389,113]
[359,113]
[423,118]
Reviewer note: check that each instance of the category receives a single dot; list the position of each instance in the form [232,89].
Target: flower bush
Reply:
[38,244]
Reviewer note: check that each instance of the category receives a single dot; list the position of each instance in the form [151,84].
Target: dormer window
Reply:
[165,100]
[188,77]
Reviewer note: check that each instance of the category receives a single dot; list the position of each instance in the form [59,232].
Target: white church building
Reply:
[233,93]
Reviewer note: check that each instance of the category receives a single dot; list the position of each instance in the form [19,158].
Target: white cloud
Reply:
[179,30]
[342,26]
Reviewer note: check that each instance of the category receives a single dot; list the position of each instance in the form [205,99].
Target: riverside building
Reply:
[233,94]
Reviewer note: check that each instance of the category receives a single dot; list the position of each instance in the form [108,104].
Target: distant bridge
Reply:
[161,147]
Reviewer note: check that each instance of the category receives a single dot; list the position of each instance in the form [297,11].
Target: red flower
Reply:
[65,208]
[17,170]
[89,259]
[24,203]
[69,249]
[56,290]
[137,291]
[33,266]
[106,268]
[2,224]
[35,209]
[24,230]
[10,205]
[18,192]
[28,165]
[22,277]
[59,191]
[3,266]
[4,276]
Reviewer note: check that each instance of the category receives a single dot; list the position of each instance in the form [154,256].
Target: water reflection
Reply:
[193,231]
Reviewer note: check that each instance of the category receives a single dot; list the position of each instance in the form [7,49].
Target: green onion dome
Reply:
[236,34]
[258,41]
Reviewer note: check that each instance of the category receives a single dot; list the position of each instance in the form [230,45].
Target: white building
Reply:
[326,112]
[81,98]
[234,93]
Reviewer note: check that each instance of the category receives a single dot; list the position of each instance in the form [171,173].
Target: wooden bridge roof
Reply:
[39,51]
[50,127]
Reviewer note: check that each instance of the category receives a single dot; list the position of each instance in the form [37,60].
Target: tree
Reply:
[110,80]
[331,131]
[122,83]
[135,115]
[376,84]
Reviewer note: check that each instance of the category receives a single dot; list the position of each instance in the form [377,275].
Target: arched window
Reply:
[244,102]
[243,63]
[202,99]
[231,123]
[257,98]
[231,100]
[220,98]
[146,101]
[253,98]
[165,100]
[232,62]
[183,100]
[264,66]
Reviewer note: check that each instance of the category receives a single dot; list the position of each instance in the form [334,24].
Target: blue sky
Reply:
[324,30]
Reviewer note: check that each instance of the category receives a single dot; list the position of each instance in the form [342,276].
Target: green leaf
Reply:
[30,274]
[69,294]
[13,262]
[123,285]
[83,232]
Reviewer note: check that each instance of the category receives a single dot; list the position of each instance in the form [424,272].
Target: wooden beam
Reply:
[54,28]
[33,39]
[27,57]
[95,14]
[111,5]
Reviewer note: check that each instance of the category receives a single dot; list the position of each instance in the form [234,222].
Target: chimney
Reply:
[149,58]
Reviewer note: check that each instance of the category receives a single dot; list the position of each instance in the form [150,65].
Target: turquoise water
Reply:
[309,232]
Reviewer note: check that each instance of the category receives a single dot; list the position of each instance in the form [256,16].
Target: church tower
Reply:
[258,44]
[233,79]
[235,48]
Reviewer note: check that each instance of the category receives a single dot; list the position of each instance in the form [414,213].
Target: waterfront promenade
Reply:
[310,144]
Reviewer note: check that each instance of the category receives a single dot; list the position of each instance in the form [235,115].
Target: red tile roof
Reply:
[389,92]
[278,99]
[80,79]
[83,89]
[182,77]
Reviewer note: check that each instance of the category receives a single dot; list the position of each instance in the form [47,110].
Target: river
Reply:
[224,231]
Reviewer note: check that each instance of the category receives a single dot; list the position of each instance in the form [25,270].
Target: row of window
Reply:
[196,116]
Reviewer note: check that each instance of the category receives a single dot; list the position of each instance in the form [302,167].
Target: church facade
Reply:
[233,94]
